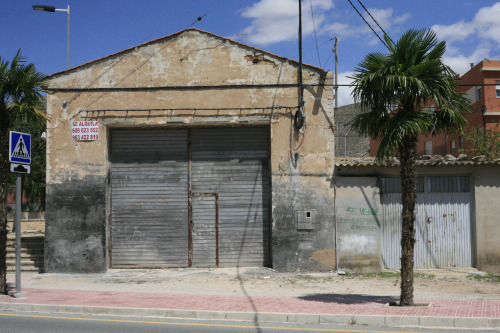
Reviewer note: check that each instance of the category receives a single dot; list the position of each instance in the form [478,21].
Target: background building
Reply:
[481,84]
[348,142]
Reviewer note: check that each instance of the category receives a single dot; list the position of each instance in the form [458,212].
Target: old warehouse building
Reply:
[184,152]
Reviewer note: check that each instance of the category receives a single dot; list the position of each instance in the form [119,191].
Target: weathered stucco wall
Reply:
[188,66]
[485,206]
[358,217]
[487,212]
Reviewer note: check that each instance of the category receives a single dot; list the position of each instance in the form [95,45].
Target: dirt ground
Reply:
[429,284]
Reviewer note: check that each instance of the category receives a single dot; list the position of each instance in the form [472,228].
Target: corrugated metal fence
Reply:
[443,225]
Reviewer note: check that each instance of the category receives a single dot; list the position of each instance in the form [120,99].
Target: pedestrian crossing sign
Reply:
[20,148]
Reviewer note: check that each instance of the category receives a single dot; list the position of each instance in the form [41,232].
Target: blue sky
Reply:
[99,28]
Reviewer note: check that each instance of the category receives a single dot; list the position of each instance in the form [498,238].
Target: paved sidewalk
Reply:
[314,308]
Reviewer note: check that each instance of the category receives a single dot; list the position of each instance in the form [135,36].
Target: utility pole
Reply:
[299,116]
[335,51]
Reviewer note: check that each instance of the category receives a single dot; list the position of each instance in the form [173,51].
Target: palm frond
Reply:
[20,86]
[392,89]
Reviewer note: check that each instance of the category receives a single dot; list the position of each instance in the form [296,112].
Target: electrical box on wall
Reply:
[304,219]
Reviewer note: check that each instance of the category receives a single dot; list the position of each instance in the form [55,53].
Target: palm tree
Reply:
[393,90]
[20,92]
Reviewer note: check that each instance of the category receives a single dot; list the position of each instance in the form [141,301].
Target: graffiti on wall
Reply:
[360,218]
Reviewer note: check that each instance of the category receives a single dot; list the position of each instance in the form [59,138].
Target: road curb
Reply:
[305,318]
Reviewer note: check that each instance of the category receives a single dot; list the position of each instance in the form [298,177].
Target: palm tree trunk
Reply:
[408,154]
[4,173]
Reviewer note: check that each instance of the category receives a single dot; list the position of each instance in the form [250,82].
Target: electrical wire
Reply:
[203,16]
[196,87]
[315,36]
[147,60]
[227,86]
[163,25]
[385,33]
[320,44]
[109,68]
[326,62]
[368,24]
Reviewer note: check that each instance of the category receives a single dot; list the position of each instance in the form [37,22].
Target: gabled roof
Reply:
[174,35]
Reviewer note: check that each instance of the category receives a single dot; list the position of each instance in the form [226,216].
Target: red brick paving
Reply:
[317,304]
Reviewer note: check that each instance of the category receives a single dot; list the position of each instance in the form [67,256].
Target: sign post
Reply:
[20,154]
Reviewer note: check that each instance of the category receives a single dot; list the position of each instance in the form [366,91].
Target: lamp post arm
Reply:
[52,9]
[67,11]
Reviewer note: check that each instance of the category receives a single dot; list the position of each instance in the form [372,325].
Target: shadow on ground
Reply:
[348,298]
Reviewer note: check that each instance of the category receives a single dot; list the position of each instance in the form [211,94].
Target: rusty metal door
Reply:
[443,222]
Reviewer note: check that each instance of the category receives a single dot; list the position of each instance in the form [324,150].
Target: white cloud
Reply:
[340,30]
[461,63]
[453,32]
[486,21]
[274,21]
[277,20]
[384,17]
[484,25]
[345,92]
[481,36]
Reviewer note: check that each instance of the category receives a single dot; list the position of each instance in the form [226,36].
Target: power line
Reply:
[203,16]
[167,22]
[385,33]
[368,24]
[159,88]
[315,36]
[320,44]
[326,62]
[144,62]
[107,70]
[225,86]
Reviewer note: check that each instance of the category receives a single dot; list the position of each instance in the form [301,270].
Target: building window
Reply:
[452,146]
[428,147]
[498,88]
[430,109]
[478,94]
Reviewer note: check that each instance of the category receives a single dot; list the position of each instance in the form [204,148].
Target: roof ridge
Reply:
[170,36]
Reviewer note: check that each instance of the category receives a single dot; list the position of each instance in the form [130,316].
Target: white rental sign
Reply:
[85,130]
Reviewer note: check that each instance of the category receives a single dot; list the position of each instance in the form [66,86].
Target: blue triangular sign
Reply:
[20,148]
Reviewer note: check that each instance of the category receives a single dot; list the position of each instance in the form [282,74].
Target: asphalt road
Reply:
[42,322]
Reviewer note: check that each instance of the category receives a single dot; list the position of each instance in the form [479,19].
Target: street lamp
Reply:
[52,9]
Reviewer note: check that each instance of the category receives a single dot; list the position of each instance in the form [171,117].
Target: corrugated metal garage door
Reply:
[233,163]
[205,231]
[443,222]
[149,198]
[195,197]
